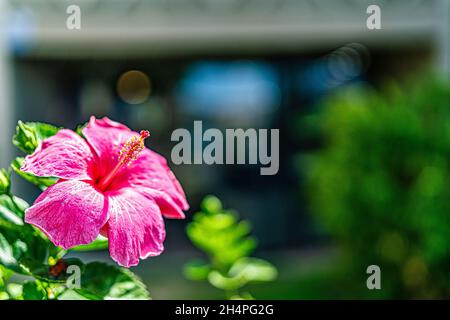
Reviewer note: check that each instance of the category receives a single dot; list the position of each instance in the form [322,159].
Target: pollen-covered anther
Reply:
[132,148]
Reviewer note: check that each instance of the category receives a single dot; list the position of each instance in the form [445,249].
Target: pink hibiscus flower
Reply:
[109,183]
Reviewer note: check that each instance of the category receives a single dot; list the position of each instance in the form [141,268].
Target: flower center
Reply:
[129,153]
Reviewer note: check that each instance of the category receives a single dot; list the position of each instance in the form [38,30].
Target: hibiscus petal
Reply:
[70,213]
[150,175]
[65,155]
[150,170]
[106,137]
[135,227]
[168,207]
[181,197]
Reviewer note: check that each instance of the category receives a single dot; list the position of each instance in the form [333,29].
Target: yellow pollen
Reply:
[129,153]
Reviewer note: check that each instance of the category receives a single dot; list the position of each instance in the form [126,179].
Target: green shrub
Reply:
[380,184]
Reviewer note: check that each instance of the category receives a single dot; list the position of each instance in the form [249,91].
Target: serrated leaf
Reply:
[33,291]
[111,282]
[21,249]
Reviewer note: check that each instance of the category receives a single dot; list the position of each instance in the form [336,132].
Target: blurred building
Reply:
[234,63]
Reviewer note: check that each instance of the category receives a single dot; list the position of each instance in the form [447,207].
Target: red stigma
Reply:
[144,134]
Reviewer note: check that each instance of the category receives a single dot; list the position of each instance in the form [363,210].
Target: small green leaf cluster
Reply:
[228,245]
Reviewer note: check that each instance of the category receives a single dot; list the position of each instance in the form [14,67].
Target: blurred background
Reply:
[161,64]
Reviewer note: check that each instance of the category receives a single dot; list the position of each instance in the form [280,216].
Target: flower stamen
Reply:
[129,153]
[132,148]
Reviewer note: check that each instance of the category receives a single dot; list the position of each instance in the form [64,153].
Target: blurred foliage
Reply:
[25,250]
[226,241]
[380,184]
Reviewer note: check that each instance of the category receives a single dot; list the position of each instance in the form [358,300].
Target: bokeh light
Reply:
[134,87]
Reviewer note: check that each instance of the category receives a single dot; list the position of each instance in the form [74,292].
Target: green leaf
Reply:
[12,211]
[37,251]
[220,281]
[5,181]
[79,129]
[22,249]
[30,134]
[196,270]
[110,282]
[253,270]
[242,296]
[73,295]
[18,205]
[33,291]
[6,253]
[211,204]
[5,274]
[100,243]
[244,271]
[12,249]
[14,290]
[42,182]
[43,130]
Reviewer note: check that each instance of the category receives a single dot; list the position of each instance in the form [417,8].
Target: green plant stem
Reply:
[60,254]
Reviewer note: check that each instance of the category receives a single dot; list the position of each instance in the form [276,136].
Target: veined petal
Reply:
[135,227]
[106,137]
[65,155]
[150,172]
[176,184]
[70,213]
[168,207]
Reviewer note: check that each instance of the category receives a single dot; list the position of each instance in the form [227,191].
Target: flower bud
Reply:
[25,138]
